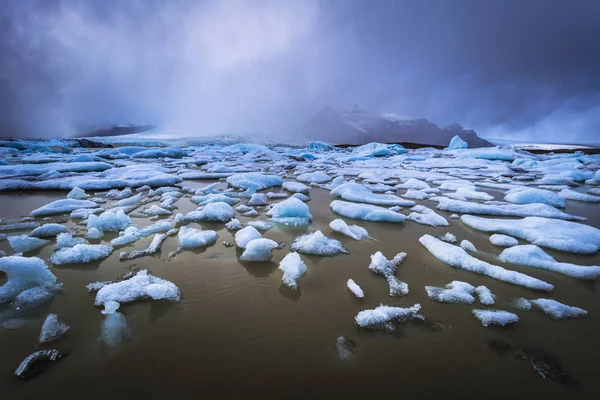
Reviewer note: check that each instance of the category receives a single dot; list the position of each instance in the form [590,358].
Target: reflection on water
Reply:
[238,332]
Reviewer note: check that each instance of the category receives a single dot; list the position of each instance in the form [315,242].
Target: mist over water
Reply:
[510,69]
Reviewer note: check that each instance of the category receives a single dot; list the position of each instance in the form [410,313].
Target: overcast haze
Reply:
[525,70]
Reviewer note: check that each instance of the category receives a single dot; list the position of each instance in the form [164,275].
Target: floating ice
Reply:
[272,195]
[355,289]
[457,143]
[52,328]
[211,212]
[384,267]
[314,177]
[301,196]
[533,256]
[81,253]
[214,198]
[244,208]
[293,269]
[397,287]
[114,327]
[77,193]
[360,194]
[573,195]
[296,187]
[415,194]
[290,212]
[65,239]
[190,237]
[365,212]
[258,199]
[522,304]
[469,193]
[354,231]
[531,195]
[234,225]
[455,292]
[384,317]
[545,232]
[261,225]
[426,216]
[156,210]
[48,230]
[413,184]
[140,286]
[259,250]
[495,317]
[486,297]
[557,310]
[129,200]
[24,243]
[24,273]
[468,246]
[254,181]
[448,238]
[458,258]
[503,240]
[94,233]
[153,248]
[132,233]
[62,207]
[345,347]
[245,236]
[318,244]
[505,210]
[109,221]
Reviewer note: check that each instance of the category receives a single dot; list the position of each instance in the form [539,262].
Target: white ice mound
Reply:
[384,317]
[397,287]
[155,210]
[532,195]
[414,184]
[24,243]
[109,221]
[354,231]
[533,256]
[384,267]
[67,240]
[557,310]
[555,234]
[314,177]
[360,194]
[505,210]
[52,328]
[129,200]
[456,143]
[254,182]
[48,230]
[81,253]
[190,237]
[139,287]
[234,225]
[318,244]
[522,304]
[290,212]
[426,216]
[468,246]
[261,225]
[211,212]
[454,292]
[459,258]
[486,297]
[214,198]
[77,194]
[495,317]
[245,236]
[62,207]
[503,240]
[24,273]
[366,212]
[259,250]
[296,187]
[132,233]
[355,289]
[573,195]
[258,199]
[293,269]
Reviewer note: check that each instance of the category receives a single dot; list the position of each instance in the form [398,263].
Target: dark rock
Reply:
[88,144]
[36,363]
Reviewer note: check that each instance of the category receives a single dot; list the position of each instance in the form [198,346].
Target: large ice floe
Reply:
[546,232]
[459,258]
[318,244]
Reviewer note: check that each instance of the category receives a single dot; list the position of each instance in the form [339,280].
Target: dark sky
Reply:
[527,69]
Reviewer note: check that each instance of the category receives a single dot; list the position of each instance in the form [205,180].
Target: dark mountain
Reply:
[359,127]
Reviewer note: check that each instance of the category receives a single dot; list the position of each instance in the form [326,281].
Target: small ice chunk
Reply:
[190,237]
[52,328]
[448,238]
[48,230]
[459,258]
[129,200]
[426,216]
[140,286]
[250,214]
[293,269]
[156,210]
[533,195]
[24,243]
[62,207]
[361,194]
[318,244]
[211,212]
[573,195]
[354,231]
[258,199]
[296,187]
[384,267]
[77,194]
[109,221]
[254,182]
[486,297]
[110,307]
[24,273]
[115,329]
[397,287]
[214,198]
[454,292]
[557,310]
[503,240]
[455,216]
[314,177]
[355,289]
[65,239]
[244,208]
[261,225]
[301,197]
[273,195]
[116,194]
[234,225]
[245,236]
[413,183]
[495,317]
[345,347]
[94,233]
[522,303]
[259,250]
[415,195]
[456,143]
[290,212]
[365,212]
[81,253]
[384,317]
[468,246]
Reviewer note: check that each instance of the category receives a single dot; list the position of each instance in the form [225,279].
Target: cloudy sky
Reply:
[527,69]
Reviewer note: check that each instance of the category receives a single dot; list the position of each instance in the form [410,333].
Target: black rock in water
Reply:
[36,363]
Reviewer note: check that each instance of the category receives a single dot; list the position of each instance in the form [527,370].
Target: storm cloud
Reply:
[514,69]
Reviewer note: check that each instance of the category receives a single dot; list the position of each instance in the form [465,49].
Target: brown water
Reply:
[238,333]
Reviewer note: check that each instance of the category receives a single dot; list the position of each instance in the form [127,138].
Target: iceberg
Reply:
[360,194]
[109,221]
[573,195]
[557,310]
[426,216]
[293,269]
[355,289]
[468,246]
[503,240]
[258,199]
[24,243]
[81,253]
[115,329]
[365,212]
[354,231]
[190,237]
[139,287]
[296,187]
[495,317]
[290,212]
[384,267]
[253,182]
[486,297]
[52,328]
[67,240]
[314,177]
[259,250]
[24,273]
[214,198]
[456,143]
[245,236]
[211,212]
[318,244]
[63,206]
[397,287]
[152,248]
[48,230]
[384,317]
[454,292]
